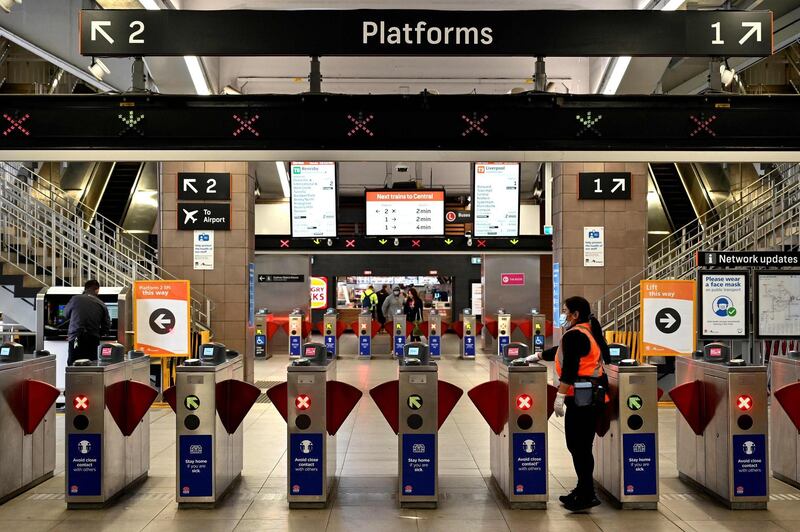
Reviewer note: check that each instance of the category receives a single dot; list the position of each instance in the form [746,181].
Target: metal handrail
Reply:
[45,233]
[761,216]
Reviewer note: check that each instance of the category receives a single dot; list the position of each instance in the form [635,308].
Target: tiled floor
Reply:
[365,500]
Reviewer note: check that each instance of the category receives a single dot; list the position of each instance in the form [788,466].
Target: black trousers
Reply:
[83,346]
[579,430]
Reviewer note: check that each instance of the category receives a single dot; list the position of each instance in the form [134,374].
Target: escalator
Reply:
[674,196]
[118,191]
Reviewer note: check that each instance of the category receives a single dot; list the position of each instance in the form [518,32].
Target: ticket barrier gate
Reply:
[516,403]
[433,330]
[366,328]
[722,432]
[626,450]
[298,331]
[27,419]
[210,401]
[468,329]
[499,328]
[107,425]
[785,418]
[331,330]
[314,405]
[265,329]
[399,334]
[415,406]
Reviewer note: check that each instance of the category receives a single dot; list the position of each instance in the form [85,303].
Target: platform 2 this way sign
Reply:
[162,317]
[667,317]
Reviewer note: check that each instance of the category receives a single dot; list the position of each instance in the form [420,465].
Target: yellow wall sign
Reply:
[319,293]
[668,317]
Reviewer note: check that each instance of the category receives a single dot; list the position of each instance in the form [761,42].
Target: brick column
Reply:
[227,284]
[625,236]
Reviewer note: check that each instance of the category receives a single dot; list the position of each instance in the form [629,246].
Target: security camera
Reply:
[98,69]
[6,5]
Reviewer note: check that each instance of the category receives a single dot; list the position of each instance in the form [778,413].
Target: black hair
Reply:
[581,306]
[91,284]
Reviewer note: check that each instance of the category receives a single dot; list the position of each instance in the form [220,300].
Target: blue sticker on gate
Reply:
[538,342]
[639,466]
[294,346]
[195,466]
[364,345]
[418,467]
[750,465]
[469,346]
[84,465]
[502,341]
[435,345]
[399,342]
[530,463]
[330,344]
[305,464]
[261,340]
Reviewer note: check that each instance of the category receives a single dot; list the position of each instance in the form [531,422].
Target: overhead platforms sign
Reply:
[162,317]
[407,32]
[668,317]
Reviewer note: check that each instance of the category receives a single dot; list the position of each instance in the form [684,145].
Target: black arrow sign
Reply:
[162,321]
[668,320]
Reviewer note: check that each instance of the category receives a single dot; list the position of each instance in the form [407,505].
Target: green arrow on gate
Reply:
[634,402]
[414,402]
[192,402]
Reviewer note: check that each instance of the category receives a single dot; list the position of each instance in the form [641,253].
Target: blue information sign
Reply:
[502,341]
[305,464]
[640,472]
[419,464]
[251,311]
[195,467]
[294,346]
[750,465]
[364,346]
[530,463]
[330,344]
[556,293]
[399,342]
[84,464]
[469,346]
[435,345]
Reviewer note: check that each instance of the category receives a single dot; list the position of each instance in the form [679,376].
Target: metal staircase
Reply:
[45,235]
[763,217]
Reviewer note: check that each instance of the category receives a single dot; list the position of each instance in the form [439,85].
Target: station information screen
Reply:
[405,212]
[778,304]
[313,199]
[495,200]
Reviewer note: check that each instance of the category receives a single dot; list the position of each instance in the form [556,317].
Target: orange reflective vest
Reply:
[590,365]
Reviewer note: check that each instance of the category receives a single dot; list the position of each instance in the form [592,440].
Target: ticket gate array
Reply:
[722,432]
[107,425]
[626,450]
[314,405]
[415,406]
[27,419]
[785,418]
[516,403]
[210,401]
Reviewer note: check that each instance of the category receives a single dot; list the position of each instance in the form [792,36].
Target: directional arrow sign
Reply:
[204,185]
[414,402]
[97,27]
[192,402]
[188,184]
[755,28]
[161,317]
[635,402]
[668,320]
[162,321]
[668,317]
[619,182]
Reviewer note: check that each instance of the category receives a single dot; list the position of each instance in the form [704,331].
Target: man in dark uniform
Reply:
[88,321]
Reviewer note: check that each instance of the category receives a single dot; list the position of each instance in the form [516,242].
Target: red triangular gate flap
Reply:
[277,395]
[789,399]
[341,400]
[449,394]
[170,396]
[491,400]
[552,391]
[320,327]
[458,328]
[689,398]
[548,328]
[235,398]
[305,329]
[386,397]
[340,328]
[38,398]
[660,394]
[272,328]
[128,402]
[525,326]
[376,327]
[492,326]
[424,328]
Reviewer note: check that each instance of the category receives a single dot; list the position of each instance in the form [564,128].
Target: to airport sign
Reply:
[162,317]
[409,32]
[207,216]
[668,317]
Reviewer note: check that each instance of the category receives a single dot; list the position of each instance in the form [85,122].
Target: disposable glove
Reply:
[559,408]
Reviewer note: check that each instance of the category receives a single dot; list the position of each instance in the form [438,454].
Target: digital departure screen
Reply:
[313,199]
[208,352]
[495,199]
[105,352]
[5,351]
[405,212]
[413,351]
[311,351]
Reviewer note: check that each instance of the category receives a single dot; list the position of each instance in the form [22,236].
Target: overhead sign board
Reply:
[281,278]
[313,199]
[748,259]
[495,199]
[724,299]
[204,186]
[162,317]
[405,212]
[604,186]
[668,317]
[208,216]
[411,32]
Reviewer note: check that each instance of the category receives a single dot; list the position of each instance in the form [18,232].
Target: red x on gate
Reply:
[524,401]
[703,124]
[284,243]
[481,243]
[475,124]
[245,124]
[744,403]
[349,243]
[360,124]
[415,243]
[16,124]
[302,402]
[81,402]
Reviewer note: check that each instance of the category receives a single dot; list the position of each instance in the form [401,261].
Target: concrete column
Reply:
[625,223]
[227,284]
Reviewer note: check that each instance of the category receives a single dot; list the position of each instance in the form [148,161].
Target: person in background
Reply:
[383,293]
[580,358]
[369,300]
[413,310]
[88,320]
[392,304]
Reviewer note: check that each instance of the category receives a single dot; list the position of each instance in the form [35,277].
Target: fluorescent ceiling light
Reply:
[149,4]
[284,177]
[198,77]
[617,73]
[672,5]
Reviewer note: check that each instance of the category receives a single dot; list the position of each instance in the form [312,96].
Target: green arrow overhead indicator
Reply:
[448,241]
[634,402]
[382,241]
[414,402]
[192,402]
[514,241]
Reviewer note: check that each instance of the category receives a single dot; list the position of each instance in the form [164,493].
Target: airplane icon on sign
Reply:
[189,216]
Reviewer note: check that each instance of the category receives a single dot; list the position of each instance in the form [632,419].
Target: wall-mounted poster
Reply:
[723,299]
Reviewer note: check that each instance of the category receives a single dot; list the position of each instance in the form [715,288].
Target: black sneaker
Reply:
[567,498]
[579,504]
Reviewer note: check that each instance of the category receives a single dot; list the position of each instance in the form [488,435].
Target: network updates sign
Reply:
[747,259]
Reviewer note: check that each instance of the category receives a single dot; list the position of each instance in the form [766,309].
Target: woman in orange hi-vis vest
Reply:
[580,359]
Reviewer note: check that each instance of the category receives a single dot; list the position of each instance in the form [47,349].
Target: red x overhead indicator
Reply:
[744,403]
[359,123]
[302,402]
[81,402]
[524,401]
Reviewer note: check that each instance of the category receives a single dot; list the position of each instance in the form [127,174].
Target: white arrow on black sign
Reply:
[162,321]
[188,183]
[97,27]
[755,27]
[668,320]
[619,182]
